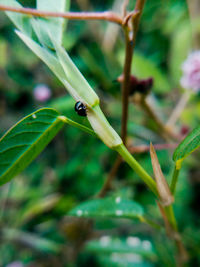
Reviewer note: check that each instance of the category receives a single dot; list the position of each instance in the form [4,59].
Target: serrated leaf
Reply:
[109,207]
[25,140]
[22,21]
[187,146]
[54,25]
[131,244]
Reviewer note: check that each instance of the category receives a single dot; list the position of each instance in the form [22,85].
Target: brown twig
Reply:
[107,15]
[126,84]
[130,37]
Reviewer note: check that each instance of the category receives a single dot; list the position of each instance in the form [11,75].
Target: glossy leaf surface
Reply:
[25,140]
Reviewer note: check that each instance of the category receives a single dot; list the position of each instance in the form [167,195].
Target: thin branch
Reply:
[130,37]
[107,15]
[126,85]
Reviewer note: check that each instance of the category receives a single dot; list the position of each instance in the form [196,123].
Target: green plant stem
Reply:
[121,149]
[171,218]
[182,255]
[174,180]
[77,125]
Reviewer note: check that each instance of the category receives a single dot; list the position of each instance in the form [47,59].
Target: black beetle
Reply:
[80,109]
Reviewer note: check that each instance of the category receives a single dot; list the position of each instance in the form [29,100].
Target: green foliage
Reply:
[73,168]
[109,207]
[133,244]
[55,26]
[187,146]
[22,21]
[25,140]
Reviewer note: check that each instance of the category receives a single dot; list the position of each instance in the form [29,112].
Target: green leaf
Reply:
[123,260]
[187,146]
[109,207]
[54,25]
[131,244]
[64,69]
[74,77]
[22,21]
[45,55]
[25,140]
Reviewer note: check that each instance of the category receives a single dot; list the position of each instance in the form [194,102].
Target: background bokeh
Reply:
[35,229]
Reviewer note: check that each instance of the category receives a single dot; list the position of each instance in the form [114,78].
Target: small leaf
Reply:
[162,185]
[187,146]
[109,207]
[22,21]
[25,140]
[51,24]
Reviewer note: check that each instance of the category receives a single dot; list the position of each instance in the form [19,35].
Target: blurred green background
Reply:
[35,229]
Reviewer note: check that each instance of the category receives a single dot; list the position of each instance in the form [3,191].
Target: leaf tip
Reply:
[165,194]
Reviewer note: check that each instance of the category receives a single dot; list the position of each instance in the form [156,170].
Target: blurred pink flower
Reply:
[15,264]
[41,92]
[191,72]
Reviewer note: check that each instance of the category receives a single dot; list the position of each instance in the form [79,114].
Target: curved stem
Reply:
[107,15]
